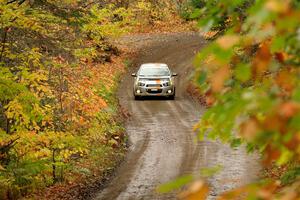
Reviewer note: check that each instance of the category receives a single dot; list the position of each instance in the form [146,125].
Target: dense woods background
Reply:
[59,119]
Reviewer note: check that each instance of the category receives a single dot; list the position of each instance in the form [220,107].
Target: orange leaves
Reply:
[293,143]
[209,34]
[273,122]
[81,102]
[219,77]
[281,141]
[277,120]
[262,60]
[196,191]
[209,99]
[281,57]
[249,129]
[235,194]
[271,153]
[278,6]
[289,109]
[263,191]
[266,191]
[228,41]
[285,79]
[217,81]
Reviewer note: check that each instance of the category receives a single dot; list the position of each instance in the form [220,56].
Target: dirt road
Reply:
[163,144]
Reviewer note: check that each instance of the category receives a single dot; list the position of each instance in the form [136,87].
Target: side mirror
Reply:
[133,74]
[174,74]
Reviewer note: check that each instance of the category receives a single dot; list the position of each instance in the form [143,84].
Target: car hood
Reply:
[153,77]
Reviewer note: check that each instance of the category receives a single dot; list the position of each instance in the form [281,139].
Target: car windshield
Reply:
[154,71]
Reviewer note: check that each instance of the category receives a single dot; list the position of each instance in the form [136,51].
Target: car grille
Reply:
[154,92]
[153,85]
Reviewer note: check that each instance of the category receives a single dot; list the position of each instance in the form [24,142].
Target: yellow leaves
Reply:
[25,75]
[101,23]
[210,60]
[196,191]
[143,6]
[228,41]
[15,110]
[66,154]
[278,6]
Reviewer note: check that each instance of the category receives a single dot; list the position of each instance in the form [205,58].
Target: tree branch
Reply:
[8,146]
[13,1]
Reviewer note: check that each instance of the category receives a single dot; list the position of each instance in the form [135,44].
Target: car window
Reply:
[154,71]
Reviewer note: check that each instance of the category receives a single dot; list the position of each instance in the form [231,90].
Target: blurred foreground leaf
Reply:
[176,184]
[196,191]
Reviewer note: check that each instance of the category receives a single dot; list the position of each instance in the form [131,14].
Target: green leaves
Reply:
[176,184]
[256,100]
[106,22]
[242,72]
[50,99]
[202,78]
[209,172]
[290,176]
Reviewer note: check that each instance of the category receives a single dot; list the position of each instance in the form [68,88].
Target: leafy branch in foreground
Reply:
[250,77]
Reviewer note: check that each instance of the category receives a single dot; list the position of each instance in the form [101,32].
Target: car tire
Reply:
[137,97]
[172,97]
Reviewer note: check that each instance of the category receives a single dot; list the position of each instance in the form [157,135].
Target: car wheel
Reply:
[137,97]
[173,96]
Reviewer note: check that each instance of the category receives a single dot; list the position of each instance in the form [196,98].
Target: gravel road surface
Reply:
[162,143]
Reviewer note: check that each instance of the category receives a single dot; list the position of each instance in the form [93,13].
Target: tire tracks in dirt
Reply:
[162,143]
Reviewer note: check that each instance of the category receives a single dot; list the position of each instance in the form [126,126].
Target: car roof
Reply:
[154,65]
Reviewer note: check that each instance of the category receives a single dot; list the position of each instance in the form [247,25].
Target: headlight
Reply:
[141,84]
[166,84]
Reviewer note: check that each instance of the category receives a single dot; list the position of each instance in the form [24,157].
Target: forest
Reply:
[60,120]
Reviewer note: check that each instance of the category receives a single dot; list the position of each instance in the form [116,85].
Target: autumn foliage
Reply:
[58,75]
[249,75]
[59,69]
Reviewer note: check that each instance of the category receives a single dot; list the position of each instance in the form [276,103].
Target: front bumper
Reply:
[151,91]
